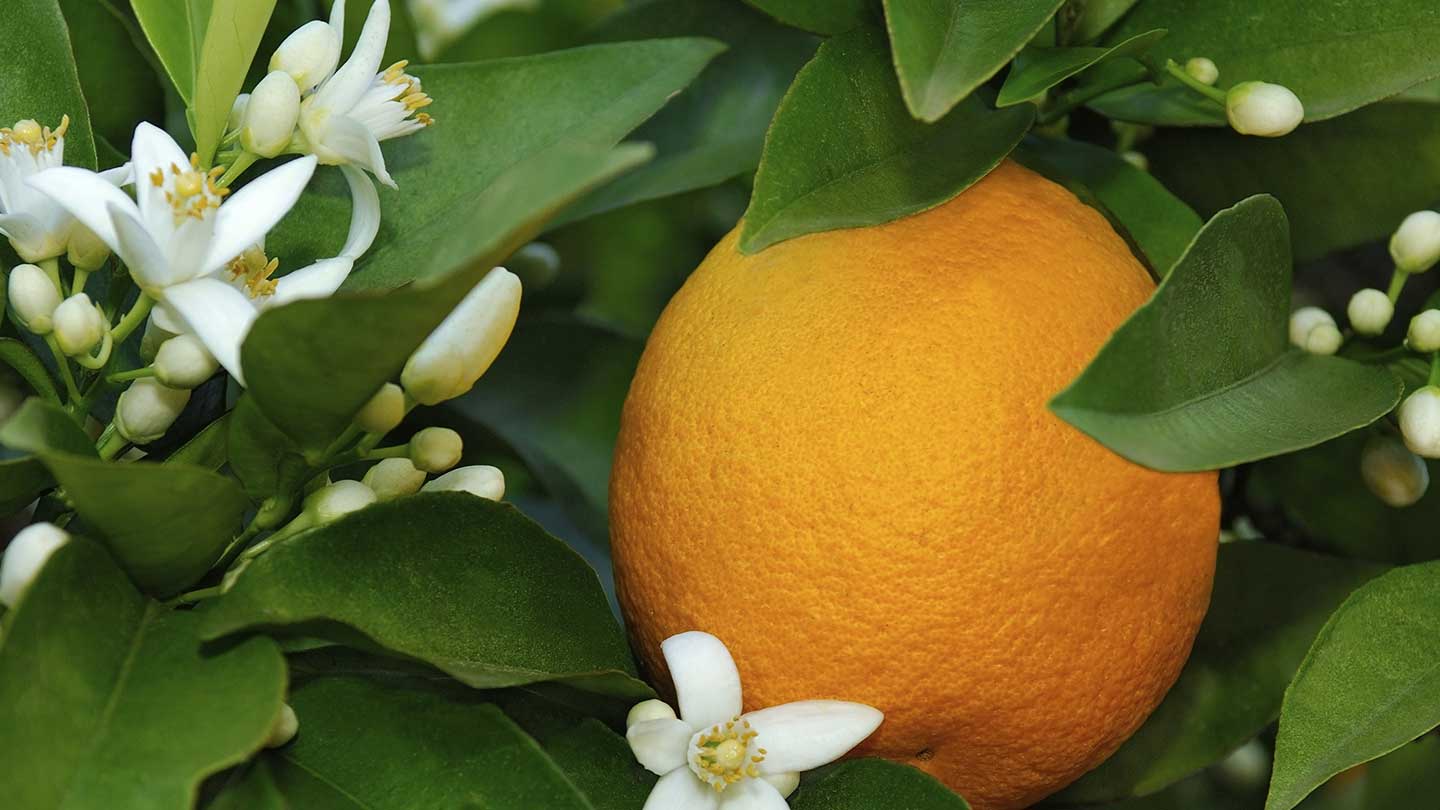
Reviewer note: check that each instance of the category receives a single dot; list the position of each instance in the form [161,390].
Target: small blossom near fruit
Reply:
[1202,70]
[285,728]
[1325,338]
[184,362]
[79,325]
[1415,245]
[1396,476]
[1303,320]
[1370,311]
[34,297]
[384,411]
[1424,332]
[1420,422]
[24,558]
[463,346]
[436,449]
[147,409]
[329,504]
[393,478]
[1263,109]
[480,480]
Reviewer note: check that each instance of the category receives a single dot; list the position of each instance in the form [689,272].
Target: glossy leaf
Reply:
[1036,70]
[819,16]
[1369,684]
[176,30]
[231,40]
[1201,376]
[944,50]
[1269,602]
[18,356]
[40,426]
[207,448]
[21,481]
[865,784]
[1096,16]
[120,87]
[600,764]
[422,576]
[38,77]
[844,152]
[1336,55]
[254,789]
[265,460]
[102,693]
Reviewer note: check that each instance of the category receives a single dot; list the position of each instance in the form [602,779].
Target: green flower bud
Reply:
[1393,473]
[271,115]
[1424,334]
[394,478]
[184,362]
[79,325]
[436,449]
[285,727]
[86,251]
[147,409]
[1420,422]
[1415,245]
[34,297]
[329,504]
[1370,312]
[384,411]
[1202,70]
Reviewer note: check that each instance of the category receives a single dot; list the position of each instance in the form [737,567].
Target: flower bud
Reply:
[330,503]
[1303,320]
[286,723]
[479,480]
[1202,70]
[1260,108]
[1370,311]
[147,409]
[153,338]
[649,710]
[460,350]
[1420,422]
[86,251]
[394,478]
[436,449]
[25,557]
[237,113]
[1415,245]
[1325,338]
[309,55]
[384,411]
[184,362]
[1424,334]
[271,115]
[1396,476]
[79,326]
[34,297]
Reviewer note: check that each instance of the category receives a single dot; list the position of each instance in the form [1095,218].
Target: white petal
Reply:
[245,218]
[166,320]
[805,735]
[87,196]
[752,794]
[319,280]
[218,314]
[660,745]
[364,212]
[680,790]
[706,680]
[120,175]
[353,78]
[153,149]
[149,266]
[24,229]
[337,17]
[354,142]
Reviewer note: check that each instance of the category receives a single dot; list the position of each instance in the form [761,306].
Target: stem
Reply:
[1434,369]
[77,284]
[394,451]
[1080,96]
[191,597]
[133,318]
[97,361]
[1397,283]
[243,162]
[112,443]
[132,374]
[72,394]
[1213,93]
[51,266]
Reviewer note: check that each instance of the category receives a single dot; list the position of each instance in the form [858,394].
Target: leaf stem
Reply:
[1215,94]
[133,318]
[111,443]
[242,162]
[1434,369]
[132,374]
[1397,283]
[72,394]
[77,284]
[1066,103]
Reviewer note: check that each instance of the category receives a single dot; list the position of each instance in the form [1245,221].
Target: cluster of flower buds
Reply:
[1251,107]
[76,325]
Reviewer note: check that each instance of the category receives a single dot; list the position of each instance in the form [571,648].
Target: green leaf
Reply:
[39,426]
[1412,770]
[207,448]
[714,130]
[467,585]
[1036,70]
[866,784]
[38,77]
[118,83]
[18,356]
[265,460]
[843,151]
[21,481]
[106,700]
[1343,182]
[300,359]
[944,50]
[388,746]
[1269,602]
[1096,16]
[231,39]
[1158,223]
[255,789]
[600,764]
[1336,55]
[1369,684]
[1201,376]
[818,16]
[176,30]
[491,118]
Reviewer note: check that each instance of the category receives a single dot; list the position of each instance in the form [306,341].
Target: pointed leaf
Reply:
[176,30]
[1036,70]
[38,77]
[18,356]
[232,37]
[119,84]
[819,16]
[865,784]
[39,426]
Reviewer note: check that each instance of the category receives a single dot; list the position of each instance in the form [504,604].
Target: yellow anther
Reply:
[189,184]
[416,101]
[27,131]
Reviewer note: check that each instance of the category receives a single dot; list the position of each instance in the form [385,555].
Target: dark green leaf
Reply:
[40,426]
[265,460]
[867,784]
[119,85]
[205,449]
[252,790]
[1370,684]
[819,16]
[944,50]
[1336,55]
[1036,70]
[1201,376]
[536,26]
[844,152]
[469,586]
[38,78]
[176,30]
[231,39]
[1096,16]
[18,356]
[600,764]
[1267,606]
[106,700]
[21,481]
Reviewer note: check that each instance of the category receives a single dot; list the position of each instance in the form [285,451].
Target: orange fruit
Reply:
[836,456]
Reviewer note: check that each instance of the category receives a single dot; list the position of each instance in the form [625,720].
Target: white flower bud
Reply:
[784,782]
[153,338]
[1420,422]
[1396,476]
[34,296]
[1305,319]
[1202,70]
[479,480]
[237,113]
[394,478]
[436,449]
[79,326]
[1246,768]
[1370,311]
[328,504]
[1424,334]
[384,411]
[86,251]
[24,558]
[271,115]
[309,55]
[184,362]
[460,350]
[1260,108]
[1415,245]
[649,710]
[286,723]
[1325,338]
[1136,159]
[147,409]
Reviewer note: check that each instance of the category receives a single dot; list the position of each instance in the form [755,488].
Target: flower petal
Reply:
[680,790]
[87,196]
[350,82]
[22,228]
[152,149]
[354,142]
[218,314]
[660,745]
[752,794]
[805,735]
[245,218]
[706,680]
[337,17]
[147,262]
[319,280]
[364,212]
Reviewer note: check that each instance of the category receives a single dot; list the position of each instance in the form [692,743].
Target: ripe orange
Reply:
[836,456]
